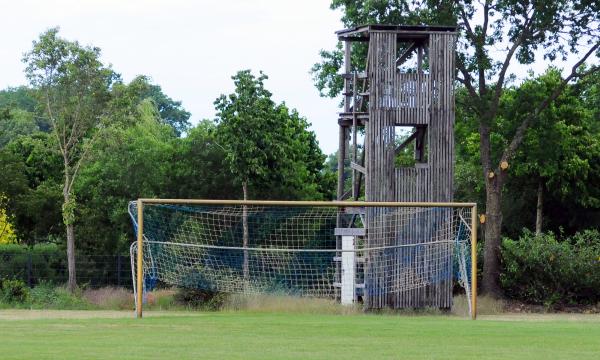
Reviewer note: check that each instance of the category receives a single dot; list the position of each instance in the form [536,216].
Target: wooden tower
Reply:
[404,98]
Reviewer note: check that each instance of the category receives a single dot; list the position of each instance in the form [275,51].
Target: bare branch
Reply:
[486,13]
[74,133]
[467,79]
[465,20]
[53,122]
[82,158]
[502,74]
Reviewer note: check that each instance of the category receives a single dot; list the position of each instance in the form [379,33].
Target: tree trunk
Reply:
[540,207]
[493,225]
[245,230]
[72,285]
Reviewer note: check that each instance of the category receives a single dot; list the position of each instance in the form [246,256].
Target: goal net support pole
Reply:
[202,247]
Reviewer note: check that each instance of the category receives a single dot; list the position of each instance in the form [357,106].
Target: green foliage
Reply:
[551,271]
[32,173]
[127,97]
[16,122]
[198,167]
[48,296]
[561,144]
[13,291]
[16,294]
[561,149]
[126,162]
[20,97]
[267,146]
[247,127]
[68,210]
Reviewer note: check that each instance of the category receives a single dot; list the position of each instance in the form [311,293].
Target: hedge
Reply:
[552,271]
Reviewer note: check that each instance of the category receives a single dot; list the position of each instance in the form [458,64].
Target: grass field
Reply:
[260,335]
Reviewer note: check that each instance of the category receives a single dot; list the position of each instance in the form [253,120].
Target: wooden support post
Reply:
[342,135]
[354,133]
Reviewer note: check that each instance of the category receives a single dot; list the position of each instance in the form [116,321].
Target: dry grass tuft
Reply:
[117,298]
[162,299]
[110,298]
[486,305]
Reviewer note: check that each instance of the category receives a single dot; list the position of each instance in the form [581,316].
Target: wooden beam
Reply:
[412,47]
[358,168]
[405,143]
[345,122]
[350,232]
[432,204]
[349,76]
[354,38]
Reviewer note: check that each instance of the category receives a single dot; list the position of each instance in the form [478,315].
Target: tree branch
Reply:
[81,159]
[467,79]
[53,121]
[502,75]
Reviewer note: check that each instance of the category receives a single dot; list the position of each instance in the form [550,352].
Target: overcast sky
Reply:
[192,48]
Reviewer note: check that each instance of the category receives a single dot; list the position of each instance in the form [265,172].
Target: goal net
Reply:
[383,256]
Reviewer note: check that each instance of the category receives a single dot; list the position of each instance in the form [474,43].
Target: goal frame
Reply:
[140,228]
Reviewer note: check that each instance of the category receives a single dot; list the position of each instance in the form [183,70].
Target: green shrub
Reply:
[32,263]
[47,296]
[13,291]
[204,299]
[553,272]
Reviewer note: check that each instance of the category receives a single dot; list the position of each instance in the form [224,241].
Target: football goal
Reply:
[378,254]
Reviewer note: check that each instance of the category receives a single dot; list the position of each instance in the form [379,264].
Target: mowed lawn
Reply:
[245,335]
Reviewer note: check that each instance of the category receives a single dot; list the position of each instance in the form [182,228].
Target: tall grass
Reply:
[486,305]
[287,304]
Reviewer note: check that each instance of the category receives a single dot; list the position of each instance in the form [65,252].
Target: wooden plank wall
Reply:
[398,99]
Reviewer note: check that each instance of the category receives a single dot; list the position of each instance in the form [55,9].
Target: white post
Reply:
[348,271]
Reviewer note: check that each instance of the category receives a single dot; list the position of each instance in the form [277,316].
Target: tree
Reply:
[267,147]
[124,163]
[266,144]
[128,96]
[31,183]
[559,152]
[198,166]
[17,114]
[73,85]
[523,28]
[7,233]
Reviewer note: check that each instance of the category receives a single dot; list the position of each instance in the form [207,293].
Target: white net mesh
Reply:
[392,256]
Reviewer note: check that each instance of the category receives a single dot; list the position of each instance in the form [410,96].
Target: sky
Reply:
[192,48]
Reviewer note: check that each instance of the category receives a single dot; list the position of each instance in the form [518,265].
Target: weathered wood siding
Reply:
[397,99]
